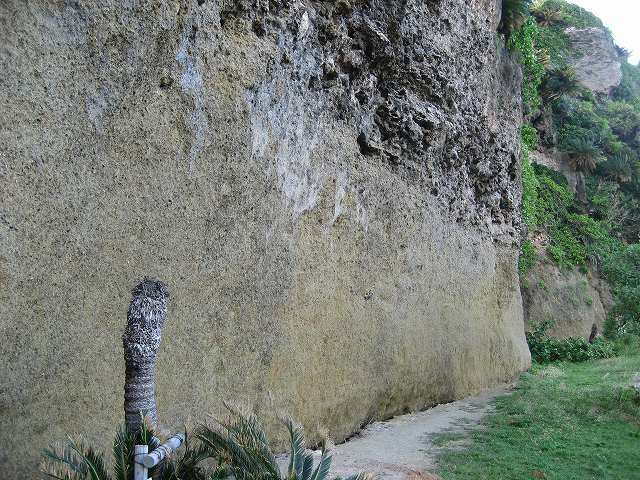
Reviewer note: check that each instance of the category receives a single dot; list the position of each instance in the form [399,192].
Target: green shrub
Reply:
[622,271]
[629,88]
[624,119]
[545,349]
[528,257]
[621,167]
[565,248]
[555,44]
[529,137]
[559,82]
[555,199]
[521,41]
[530,187]
[581,119]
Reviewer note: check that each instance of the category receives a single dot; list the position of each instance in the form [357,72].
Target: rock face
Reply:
[330,190]
[558,162]
[573,300]
[594,59]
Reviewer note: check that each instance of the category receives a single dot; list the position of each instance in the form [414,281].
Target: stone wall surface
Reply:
[573,300]
[330,190]
[596,62]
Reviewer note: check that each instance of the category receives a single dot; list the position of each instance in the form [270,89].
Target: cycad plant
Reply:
[584,156]
[77,460]
[239,447]
[547,14]
[242,446]
[621,167]
[514,14]
[559,82]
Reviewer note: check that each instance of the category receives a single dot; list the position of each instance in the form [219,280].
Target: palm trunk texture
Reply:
[141,340]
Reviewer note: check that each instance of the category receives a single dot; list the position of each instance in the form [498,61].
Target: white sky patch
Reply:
[621,17]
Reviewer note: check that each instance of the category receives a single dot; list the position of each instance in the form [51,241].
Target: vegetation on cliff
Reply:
[598,135]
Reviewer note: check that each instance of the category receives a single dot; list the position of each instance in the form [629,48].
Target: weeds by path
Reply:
[564,421]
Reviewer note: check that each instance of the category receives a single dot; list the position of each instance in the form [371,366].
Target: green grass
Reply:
[564,421]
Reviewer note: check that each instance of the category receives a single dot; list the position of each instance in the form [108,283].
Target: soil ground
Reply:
[399,447]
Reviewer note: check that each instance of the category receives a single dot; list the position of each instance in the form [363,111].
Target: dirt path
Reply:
[398,447]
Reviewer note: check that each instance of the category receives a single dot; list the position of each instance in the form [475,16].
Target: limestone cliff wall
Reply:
[594,58]
[575,301]
[330,189]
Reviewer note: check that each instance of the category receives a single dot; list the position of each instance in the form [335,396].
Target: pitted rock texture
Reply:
[573,300]
[595,59]
[431,97]
[330,189]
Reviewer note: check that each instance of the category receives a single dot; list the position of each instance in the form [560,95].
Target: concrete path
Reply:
[402,446]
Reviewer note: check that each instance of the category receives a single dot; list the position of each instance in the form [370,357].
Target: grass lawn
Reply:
[564,421]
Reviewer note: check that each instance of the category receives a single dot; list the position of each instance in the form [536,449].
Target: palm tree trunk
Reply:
[141,340]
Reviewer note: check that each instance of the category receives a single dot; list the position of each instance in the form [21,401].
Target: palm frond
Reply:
[147,434]
[359,476]
[547,15]
[188,464]
[307,466]
[322,470]
[93,460]
[241,444]
[123,444]
[61,462]
[296,438]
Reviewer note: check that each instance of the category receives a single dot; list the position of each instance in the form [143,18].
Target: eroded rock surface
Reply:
[330,190]
[573,300]
[595,59]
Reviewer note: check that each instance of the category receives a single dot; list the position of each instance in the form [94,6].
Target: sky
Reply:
[623,19]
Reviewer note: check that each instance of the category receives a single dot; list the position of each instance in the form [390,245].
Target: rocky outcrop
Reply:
[573,300]
[594,57]
[558,162]
[330,190]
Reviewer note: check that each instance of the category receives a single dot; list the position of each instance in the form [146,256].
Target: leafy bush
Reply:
[528,257]
[530,187]
[547,14]
[566,249]
[629,88]
[522,42]
[620,167]
[622,270]
[624,119]
[529,137]
[545,349]
[555,200]
[608,203]
[581,119]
